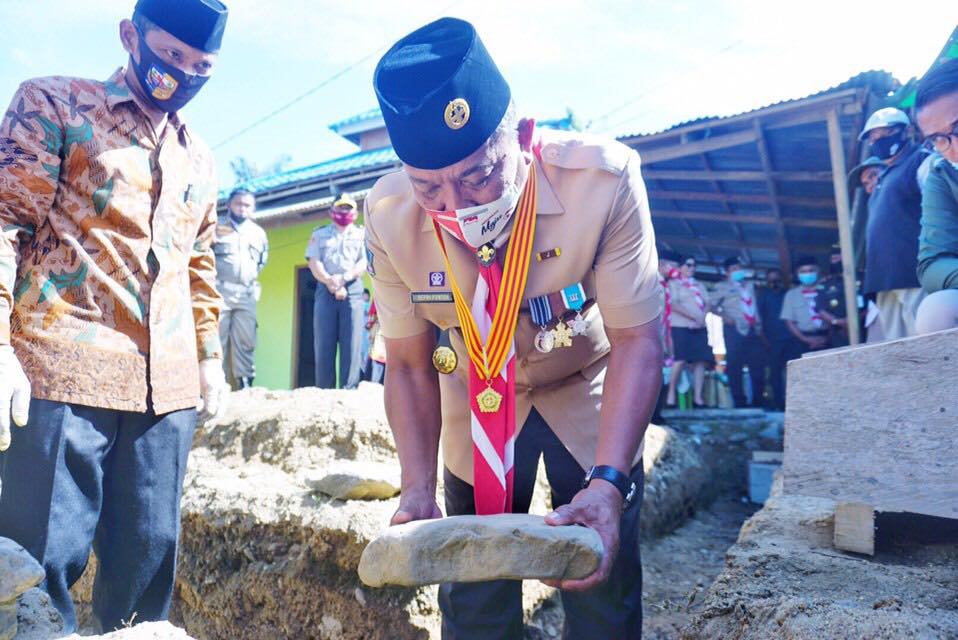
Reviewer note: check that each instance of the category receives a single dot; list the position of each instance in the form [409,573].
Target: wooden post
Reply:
[839,181]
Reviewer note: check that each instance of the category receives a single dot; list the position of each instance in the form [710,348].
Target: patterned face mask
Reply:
[165,86]
[481,224]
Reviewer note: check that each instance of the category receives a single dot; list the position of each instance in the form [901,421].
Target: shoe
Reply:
[245,382]
[696,405]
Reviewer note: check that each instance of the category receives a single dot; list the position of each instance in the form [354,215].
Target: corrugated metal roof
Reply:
[365,116]
[876,80]
[369,159]
[305,207]
[345,164]
[721,186]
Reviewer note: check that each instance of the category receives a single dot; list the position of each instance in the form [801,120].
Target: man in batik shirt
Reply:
[108,312]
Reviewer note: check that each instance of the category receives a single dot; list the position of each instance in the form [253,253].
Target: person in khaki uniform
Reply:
[241,249]
[579,400]
[734,299]
[800,310]
[690,341]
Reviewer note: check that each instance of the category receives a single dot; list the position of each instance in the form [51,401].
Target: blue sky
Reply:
[625,66]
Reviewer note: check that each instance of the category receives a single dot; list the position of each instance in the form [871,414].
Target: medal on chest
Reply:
[541,311]
[489,354]
[573,297]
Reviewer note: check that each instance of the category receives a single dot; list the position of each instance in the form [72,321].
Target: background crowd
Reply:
[906,226]
[907,219]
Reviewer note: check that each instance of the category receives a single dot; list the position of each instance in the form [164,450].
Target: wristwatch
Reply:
[618,479]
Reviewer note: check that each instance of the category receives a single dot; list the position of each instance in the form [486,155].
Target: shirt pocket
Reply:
[441,314]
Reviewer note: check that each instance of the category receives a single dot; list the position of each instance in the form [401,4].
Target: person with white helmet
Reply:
[894,214]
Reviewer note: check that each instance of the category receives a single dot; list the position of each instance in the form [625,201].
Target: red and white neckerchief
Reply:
[748,305]
[689,283]
[811,299]
[488,327]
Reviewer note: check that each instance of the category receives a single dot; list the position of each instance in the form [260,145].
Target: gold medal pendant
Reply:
[562,335]
[444,359]
[489,400]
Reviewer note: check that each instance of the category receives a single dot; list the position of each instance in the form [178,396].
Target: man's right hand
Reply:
[416,505]
[335,283]
[14,394]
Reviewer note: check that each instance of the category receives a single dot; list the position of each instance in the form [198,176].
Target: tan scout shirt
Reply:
[686,312]
[592,204]
[107,278]
[797,308]
[726,301]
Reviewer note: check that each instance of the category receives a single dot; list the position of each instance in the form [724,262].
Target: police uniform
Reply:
[241,250]
[831,299]
[338,322]
[593,229]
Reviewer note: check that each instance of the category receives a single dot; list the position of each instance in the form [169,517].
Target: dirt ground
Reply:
[677,569]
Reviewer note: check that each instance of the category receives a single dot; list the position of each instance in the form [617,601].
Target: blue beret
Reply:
[441,94]
[198,23]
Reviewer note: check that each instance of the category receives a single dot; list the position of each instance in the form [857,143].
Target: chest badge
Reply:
[551,253]
[444,359]
[486,254]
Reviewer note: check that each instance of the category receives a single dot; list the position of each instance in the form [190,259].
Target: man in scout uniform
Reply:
[337,260]
[534,253]
[241,251]
[735,301]
[800,310]
[108,312]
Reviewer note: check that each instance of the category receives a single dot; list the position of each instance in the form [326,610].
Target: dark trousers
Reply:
[778,356]
[79,476]
[493,610]
[741,351]
[338,323]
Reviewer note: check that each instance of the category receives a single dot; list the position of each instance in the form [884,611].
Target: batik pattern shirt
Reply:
[107,276]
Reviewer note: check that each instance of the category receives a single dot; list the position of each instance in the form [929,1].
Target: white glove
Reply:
[14,394]
[213,390]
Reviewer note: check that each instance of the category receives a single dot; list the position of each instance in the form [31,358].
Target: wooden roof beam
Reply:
[784,252]
[746,218]
[737,176]
[752,198]
[847,99]
[738,245]
[736,227]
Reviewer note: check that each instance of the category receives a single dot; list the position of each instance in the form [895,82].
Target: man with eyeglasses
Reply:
[891,235]
[936,108]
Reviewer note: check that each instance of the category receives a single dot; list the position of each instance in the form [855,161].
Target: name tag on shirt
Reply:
[430,297]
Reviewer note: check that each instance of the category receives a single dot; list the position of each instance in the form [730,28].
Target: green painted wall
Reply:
[276,309]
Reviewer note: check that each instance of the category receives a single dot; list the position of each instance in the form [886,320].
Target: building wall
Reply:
[276,309]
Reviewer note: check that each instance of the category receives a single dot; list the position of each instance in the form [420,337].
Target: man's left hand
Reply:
[213,389]
[598,506]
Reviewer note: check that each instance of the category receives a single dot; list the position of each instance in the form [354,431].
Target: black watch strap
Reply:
[621,481]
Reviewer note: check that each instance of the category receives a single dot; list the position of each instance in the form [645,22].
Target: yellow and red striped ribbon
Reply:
[490,357]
